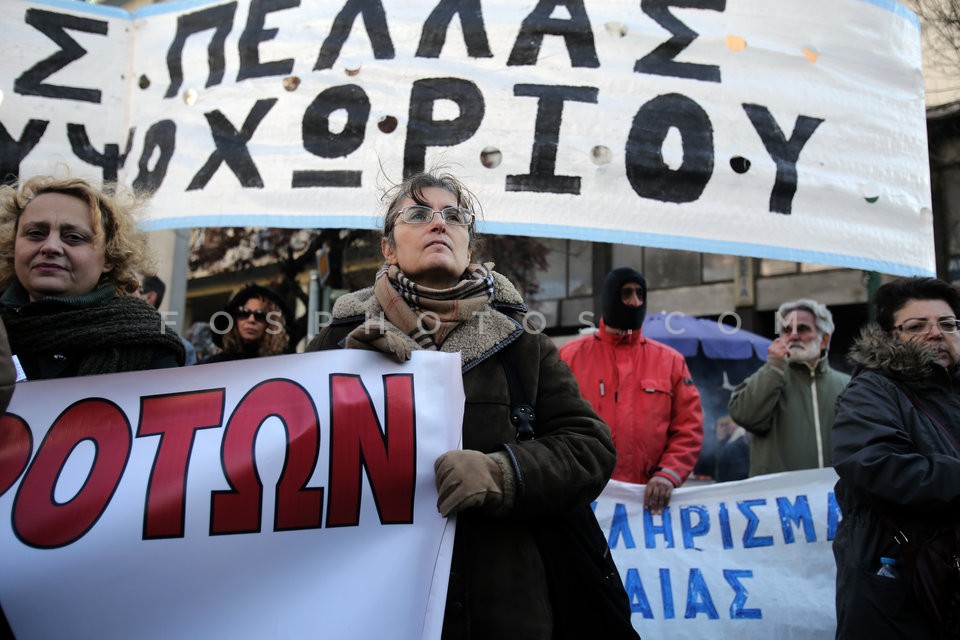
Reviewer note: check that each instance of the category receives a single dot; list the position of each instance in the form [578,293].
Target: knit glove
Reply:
[467,479]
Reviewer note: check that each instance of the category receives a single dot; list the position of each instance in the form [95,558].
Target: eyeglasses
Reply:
[921,326]
[800,329]
[419,214]
[243,313]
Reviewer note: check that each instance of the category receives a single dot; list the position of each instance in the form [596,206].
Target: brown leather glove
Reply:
[467,479]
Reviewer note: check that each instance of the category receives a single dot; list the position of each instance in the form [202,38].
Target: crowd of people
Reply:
[80,297]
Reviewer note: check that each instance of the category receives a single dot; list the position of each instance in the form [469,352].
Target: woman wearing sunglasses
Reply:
[252,324]
[431,293]
[70,259]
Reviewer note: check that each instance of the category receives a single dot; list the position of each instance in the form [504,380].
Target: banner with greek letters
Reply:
[791,129]
[282,497]
[293,497]
[750,559]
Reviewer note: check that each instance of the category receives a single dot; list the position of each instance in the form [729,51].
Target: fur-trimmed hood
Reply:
[878,350]
[475,339]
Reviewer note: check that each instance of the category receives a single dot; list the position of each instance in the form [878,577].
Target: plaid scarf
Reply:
[426,315]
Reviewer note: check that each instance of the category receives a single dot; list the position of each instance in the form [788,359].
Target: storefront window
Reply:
[568,272]
[811,267]
[717,267]
[669,268]
[627,255]
[777,267]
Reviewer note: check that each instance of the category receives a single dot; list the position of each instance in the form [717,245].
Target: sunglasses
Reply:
[243,312]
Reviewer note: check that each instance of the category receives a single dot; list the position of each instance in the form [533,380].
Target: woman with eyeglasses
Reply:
[252,324]
[432,293]
[70,259]
[896,448]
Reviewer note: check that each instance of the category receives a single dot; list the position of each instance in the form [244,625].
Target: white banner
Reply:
[283,497]
[792,129]
[747,560]
[293,497]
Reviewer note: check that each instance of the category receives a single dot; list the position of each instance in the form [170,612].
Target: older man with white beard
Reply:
[788,404]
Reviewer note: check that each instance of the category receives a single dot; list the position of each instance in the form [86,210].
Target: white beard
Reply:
[806,352]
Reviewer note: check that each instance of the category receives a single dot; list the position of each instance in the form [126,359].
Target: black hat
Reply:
[615,313]
[239,299]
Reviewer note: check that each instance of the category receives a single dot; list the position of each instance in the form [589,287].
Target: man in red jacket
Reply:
[642,389]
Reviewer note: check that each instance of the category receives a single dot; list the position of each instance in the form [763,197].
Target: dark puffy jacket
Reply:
[497,585]
[893,462]
[8,373]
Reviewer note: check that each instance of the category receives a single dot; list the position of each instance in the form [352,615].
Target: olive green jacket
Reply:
[790,415]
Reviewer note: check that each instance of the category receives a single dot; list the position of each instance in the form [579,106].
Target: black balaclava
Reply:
[615,313]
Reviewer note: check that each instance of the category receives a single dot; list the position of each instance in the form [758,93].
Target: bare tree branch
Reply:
[940,21]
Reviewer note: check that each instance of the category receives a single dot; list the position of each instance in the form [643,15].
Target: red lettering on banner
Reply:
[16,443]
[388,455]
[237,510]
[38,519]
[176,419]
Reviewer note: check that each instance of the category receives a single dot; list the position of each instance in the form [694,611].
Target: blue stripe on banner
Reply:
[895,7]
[82,7]
[259,219]
[685,243]
[179,5]
[118,12]
[617,236]
[169,7]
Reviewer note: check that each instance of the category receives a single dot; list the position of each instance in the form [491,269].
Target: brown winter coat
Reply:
[497,586]
[8,374]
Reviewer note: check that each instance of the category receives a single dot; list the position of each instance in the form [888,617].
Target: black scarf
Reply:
[106,332]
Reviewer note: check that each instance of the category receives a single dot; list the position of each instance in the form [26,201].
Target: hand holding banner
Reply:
[290,498]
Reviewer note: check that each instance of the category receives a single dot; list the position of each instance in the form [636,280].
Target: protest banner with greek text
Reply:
[290,496]
[750,559]
[791,130]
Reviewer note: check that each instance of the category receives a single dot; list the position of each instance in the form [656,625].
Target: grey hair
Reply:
[823,316]
[413,188]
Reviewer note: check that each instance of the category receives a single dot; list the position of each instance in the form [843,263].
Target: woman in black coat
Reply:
[896,448]
[252,324]
[70,258]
